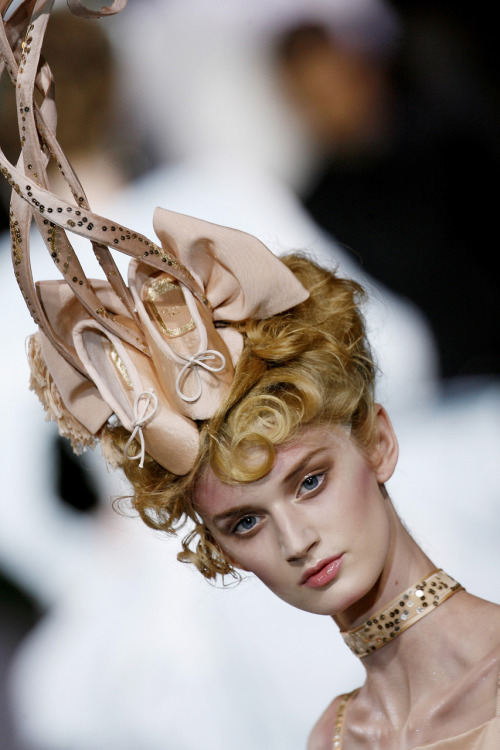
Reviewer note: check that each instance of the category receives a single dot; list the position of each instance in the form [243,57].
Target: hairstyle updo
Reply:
[310,365]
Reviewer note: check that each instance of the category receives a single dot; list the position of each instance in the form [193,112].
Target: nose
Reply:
[297,537]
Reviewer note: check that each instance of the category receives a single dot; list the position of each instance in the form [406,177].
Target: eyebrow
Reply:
[302,464]
[243,510]
[233,513]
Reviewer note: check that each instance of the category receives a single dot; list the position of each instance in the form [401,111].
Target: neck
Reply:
[406,564]
[403,668]
[431,662]
[424,660]
[415,683]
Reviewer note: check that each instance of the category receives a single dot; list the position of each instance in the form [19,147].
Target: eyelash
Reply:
[234,530]
[320,475]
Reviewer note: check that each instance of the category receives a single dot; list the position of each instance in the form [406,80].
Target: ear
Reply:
[384,455]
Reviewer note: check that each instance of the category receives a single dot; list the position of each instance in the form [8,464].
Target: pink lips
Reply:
[322,573]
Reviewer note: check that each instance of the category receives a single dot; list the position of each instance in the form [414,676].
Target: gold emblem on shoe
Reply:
[164,298]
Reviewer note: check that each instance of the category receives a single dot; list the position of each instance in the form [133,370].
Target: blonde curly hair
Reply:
[310,365]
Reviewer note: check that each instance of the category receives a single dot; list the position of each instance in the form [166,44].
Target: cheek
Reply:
[357,499]
[258,556]
[361,519]
[372,540]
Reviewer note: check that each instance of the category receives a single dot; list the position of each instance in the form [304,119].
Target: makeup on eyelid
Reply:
[319,476]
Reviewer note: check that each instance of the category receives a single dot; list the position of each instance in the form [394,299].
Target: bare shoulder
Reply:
[321,737]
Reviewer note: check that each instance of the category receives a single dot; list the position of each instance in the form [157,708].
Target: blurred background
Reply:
[359,131]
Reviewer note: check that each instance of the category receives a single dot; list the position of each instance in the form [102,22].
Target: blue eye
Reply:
[312,483]
[245,524]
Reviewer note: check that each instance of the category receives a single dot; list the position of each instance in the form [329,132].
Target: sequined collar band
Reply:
[405,610]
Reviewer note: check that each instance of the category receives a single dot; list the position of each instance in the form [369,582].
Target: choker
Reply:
[405,610]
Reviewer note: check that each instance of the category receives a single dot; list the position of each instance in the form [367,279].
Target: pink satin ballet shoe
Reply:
[127,381]
[187,351]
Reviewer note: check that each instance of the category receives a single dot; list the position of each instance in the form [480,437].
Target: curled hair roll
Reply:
[308,366]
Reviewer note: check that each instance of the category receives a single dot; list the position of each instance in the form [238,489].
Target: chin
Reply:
[341,594]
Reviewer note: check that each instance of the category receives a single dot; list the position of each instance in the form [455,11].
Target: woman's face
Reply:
[316,529]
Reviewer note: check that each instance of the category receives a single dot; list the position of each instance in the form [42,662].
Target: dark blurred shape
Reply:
[18,614]
[410,154]
[340,92]
[81,59]
[75,484]
[9,142]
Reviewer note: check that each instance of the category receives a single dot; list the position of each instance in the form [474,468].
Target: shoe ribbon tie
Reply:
[145,406]
[195,361]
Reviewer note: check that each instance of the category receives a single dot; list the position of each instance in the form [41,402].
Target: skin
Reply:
[325,498]
[341,96]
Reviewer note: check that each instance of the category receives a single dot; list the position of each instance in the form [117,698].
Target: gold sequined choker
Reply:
[405,610]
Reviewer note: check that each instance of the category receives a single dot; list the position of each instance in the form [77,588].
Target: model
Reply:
[236,392]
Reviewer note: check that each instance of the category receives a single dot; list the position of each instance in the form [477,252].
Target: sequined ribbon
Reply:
[21,39]
[405,610]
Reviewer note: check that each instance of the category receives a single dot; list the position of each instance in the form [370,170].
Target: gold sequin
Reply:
[371,635]
[16,239]
[118,362]
[339,722]
[103,313]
